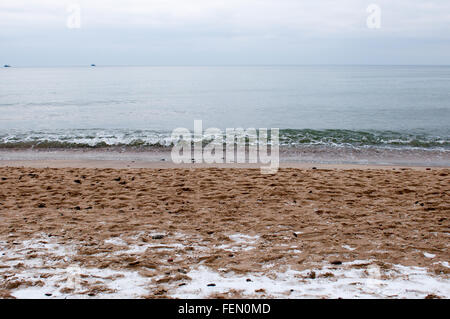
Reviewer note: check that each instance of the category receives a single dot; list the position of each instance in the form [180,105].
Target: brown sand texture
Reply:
[224,233]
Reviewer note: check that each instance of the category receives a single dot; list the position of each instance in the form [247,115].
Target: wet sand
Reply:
[152,230]
[167,164]
[289,156]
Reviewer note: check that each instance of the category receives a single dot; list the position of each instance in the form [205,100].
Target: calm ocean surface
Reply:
[380,108]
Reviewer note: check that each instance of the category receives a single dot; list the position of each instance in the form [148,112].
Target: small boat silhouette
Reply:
[93,65]
[6,66]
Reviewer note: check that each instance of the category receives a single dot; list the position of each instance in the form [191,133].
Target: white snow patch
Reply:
[241,242]
[364,281]
[243,239]
[124,284]
[48,276]
[346,282]
[141,248]
[30,253]
[116,241]
[428,255]
[444,263]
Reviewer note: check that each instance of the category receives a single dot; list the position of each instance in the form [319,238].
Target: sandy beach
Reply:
[237,150]
[108,229]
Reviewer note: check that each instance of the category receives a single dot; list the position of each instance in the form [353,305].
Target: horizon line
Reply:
[211,65]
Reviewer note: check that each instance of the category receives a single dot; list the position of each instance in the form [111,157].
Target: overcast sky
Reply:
[223,32]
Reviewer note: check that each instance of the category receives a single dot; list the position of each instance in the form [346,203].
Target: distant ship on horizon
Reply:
[93,65]
[6,66]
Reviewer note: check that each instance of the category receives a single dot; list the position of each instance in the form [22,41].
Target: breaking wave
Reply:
[97,138]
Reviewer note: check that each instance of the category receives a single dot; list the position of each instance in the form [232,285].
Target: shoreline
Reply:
[126,164]
[288,158]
